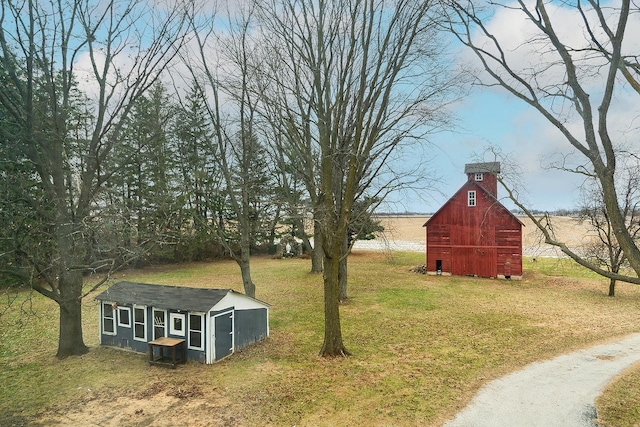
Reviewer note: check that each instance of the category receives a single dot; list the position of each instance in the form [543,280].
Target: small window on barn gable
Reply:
[471,198]
[176,324]
[124,317]
[108,318]
[479,176]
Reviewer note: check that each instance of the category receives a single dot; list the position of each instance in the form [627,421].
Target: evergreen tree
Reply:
[66,144]
[146,187]
[198,175]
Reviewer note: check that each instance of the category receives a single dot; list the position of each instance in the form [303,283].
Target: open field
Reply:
[422,346]
[407,233]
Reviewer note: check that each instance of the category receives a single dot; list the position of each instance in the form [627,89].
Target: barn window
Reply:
[140,323]
[196,328]
[108,319]
[471,198]
[124,317]
[479,176]
[176,324]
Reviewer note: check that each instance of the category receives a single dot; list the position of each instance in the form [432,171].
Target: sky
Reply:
[521,134]
[492,117]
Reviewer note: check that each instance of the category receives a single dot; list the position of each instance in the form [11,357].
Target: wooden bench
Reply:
[171,359]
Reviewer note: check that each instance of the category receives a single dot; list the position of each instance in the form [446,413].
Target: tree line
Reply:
[133,133]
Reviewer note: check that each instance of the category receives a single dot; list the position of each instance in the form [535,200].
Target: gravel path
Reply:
[560,392]
[557,393]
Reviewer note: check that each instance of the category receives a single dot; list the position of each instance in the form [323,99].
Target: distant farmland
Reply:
[405,232]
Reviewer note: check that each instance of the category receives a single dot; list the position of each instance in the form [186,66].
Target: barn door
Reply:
[485,262]
[222,338]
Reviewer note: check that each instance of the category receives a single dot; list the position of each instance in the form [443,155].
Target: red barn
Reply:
[473,234]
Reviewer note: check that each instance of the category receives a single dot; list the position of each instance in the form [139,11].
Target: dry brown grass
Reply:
[619,404]
[422,345]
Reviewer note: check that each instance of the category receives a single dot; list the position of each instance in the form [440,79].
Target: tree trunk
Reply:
[618,225]
[315,250]
[70,341]
[333,345]
[317,253]
[245,253]
[272,228]
[612,287]
[70,254]
[245,269]
[342,272]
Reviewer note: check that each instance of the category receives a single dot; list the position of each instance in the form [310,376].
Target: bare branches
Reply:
[582,71]
[356,80]
[73,72]
[545,225]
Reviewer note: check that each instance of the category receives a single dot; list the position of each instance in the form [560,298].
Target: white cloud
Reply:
[529,51]
[525,133]
[85,74]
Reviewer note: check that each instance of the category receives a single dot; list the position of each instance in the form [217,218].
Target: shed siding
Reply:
[247,321]
[124,335]
[250,326]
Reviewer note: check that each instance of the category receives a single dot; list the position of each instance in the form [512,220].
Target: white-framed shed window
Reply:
[471,198]
[196,332]
[140,323]
[124,317]
[479,176]
[108,318]
[159,323]
[177,324]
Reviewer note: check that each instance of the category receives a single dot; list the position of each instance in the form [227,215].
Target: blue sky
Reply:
[497,119]
[493,117]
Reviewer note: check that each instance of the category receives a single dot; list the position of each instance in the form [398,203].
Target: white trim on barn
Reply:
[239,301]
[225,339]
[112,318]
[159,317]
[127,317]
[177,324]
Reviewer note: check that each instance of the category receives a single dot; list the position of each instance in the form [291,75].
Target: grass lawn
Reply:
[422,346]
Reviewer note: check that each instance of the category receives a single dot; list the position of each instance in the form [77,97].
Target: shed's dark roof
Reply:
[161,296]
[491,167]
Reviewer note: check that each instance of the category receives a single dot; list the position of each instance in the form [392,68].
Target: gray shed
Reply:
[213,322]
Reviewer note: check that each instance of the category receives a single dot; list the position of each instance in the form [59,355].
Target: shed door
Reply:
[222,338]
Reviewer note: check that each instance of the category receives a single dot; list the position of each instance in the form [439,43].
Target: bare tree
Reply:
[563,79]
[369,76]
[124,47]
[604,250]
[231,109]
[288,126]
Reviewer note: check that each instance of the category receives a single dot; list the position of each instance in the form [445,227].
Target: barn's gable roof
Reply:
[486,167]
[478,187]
[167,297]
